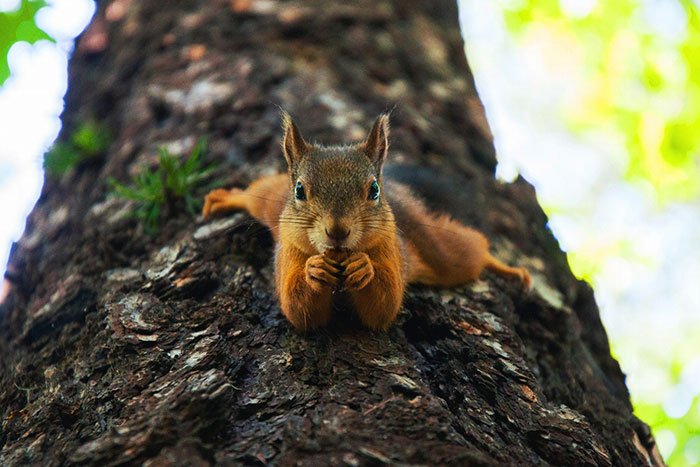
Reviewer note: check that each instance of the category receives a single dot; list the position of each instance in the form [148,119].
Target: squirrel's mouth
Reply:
[323,243]
[335,250]
[330,244]
[337,254]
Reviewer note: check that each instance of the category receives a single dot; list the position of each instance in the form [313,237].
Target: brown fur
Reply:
[384,249]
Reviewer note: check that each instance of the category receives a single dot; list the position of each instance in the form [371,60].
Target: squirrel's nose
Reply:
[338,233]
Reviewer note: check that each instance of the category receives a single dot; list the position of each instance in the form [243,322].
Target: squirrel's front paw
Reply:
[358,272]
[322,272]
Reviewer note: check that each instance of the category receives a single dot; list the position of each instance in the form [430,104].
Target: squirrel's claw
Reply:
[358,272]
[321,273]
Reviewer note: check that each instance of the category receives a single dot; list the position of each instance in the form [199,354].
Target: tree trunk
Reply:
[117,347]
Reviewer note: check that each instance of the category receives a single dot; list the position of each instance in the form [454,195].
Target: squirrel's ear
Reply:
[377,143]
[293,144]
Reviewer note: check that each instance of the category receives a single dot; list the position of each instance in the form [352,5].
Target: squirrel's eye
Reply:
[373,191]
[299,192]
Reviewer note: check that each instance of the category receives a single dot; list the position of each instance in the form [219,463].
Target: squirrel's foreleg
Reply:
[376,287]
[305,288]
[264,199]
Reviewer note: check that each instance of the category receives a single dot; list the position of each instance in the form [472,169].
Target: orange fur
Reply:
[378,303]
[305,304]
[441,251]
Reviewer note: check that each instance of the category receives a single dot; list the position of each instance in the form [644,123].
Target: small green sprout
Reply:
[160,191]
[89,140]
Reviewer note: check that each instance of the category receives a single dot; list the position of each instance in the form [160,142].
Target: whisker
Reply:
[275,199]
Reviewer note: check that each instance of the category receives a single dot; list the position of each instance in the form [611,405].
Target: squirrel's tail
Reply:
[498,266]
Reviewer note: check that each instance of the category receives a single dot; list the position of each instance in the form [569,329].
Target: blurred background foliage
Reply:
[17,24]
[641,79]
[636,83]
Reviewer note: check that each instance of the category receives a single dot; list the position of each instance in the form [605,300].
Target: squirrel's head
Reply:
[336,200]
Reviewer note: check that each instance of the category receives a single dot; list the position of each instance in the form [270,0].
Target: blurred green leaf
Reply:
[18,26]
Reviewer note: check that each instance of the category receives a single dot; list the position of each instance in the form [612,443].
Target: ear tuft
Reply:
[293,144]
[376,145]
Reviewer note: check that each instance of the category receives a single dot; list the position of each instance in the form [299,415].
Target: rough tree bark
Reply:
[120,348]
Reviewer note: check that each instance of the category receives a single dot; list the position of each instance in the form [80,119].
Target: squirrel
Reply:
[336,229]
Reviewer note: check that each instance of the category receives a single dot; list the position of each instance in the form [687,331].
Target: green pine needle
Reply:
[172,181]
